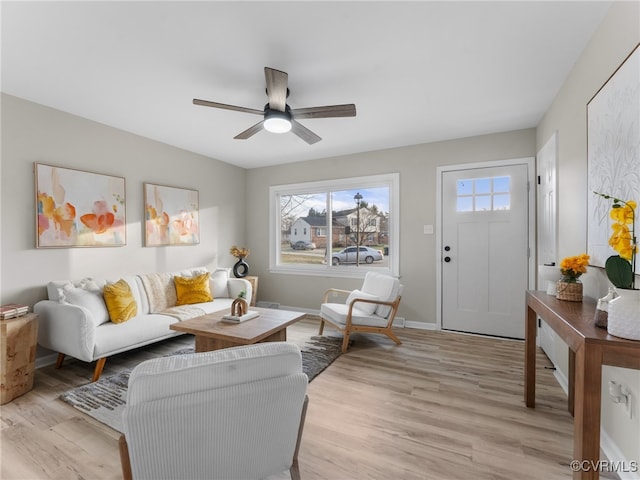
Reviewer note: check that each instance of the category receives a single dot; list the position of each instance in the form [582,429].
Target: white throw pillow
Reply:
[367,308]
[219,283]
[92,300]
[91,284]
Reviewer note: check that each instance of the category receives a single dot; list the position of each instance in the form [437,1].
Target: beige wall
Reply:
[612,42]
[34,133]
[417,168]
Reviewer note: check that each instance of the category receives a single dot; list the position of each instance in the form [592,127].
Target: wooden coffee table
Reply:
[213,334]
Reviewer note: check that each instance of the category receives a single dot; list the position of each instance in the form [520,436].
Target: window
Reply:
[483,194]
[353,225]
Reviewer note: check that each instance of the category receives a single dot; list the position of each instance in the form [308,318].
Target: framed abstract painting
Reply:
[171,216]
[613,153]
[75,208]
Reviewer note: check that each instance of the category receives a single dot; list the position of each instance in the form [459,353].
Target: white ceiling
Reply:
[417,71]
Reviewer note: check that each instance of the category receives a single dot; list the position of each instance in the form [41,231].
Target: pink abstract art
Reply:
[171,216]
[75,208]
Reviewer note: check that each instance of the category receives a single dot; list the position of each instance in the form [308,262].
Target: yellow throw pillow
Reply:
[193,289]
[120,302]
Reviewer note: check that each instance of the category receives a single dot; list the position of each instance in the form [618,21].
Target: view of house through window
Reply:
[336,227]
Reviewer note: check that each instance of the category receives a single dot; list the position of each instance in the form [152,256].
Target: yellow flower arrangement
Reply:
[572,267]
[239,252]
[623,240]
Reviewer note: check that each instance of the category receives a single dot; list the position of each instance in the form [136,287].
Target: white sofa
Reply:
[75,321]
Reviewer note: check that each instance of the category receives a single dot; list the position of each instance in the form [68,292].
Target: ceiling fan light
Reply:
[277,122]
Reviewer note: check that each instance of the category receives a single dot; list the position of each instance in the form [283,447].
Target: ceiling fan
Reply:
[278,117]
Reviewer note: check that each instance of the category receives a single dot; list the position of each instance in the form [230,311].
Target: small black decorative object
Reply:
[241,268]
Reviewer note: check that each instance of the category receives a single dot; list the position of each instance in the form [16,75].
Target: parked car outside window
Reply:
[348,255]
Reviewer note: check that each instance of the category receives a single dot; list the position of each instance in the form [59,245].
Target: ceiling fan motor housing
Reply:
[276,121]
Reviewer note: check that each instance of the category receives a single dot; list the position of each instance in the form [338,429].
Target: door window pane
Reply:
[502,184]
[465,187]
[465,204]
[483,203]
[482,185]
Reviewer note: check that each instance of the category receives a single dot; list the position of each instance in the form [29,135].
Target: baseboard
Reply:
[309,311]
[420,325]
[619,463]
[562,380]
[46,360]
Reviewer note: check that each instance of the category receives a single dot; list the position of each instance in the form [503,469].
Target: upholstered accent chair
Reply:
[236,413]
[371,309]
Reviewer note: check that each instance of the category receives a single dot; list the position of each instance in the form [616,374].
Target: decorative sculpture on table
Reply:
[239,306]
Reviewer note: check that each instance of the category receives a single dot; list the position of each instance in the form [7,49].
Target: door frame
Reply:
[531,221]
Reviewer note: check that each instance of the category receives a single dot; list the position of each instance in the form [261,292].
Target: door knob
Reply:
[447,259]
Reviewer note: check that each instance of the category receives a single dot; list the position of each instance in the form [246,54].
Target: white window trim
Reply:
[390,180]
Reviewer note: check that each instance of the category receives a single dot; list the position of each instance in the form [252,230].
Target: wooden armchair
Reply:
[371,309]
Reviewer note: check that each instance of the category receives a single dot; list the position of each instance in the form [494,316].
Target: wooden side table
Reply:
[590,348]
[18,343]
[254,286]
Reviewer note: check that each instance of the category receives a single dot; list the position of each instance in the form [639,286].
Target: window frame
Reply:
[389,180]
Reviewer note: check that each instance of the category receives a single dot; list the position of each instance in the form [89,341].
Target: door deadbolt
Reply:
[447,248]
[447,259]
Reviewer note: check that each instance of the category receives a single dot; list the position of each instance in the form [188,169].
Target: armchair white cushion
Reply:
[235,413]
[363,307]
[370,309]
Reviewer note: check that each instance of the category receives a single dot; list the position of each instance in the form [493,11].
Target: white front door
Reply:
[485,249]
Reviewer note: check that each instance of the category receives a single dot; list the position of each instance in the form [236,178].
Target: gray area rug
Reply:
[104,400]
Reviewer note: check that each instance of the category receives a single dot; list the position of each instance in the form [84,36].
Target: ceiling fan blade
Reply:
[206,103]
[276,88]
[347,110]
[250,132]
[304,133]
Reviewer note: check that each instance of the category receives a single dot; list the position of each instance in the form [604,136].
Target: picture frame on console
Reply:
[171,216]
[77,208]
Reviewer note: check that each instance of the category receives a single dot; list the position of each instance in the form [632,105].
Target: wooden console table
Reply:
[590,347]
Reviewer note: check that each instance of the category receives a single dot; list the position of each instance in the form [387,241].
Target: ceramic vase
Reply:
[624,314]
[241,268]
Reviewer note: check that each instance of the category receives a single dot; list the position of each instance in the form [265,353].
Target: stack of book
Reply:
[240,318]
[12,310]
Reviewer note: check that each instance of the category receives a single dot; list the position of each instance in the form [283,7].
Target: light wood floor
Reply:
[439,406]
